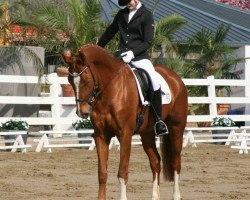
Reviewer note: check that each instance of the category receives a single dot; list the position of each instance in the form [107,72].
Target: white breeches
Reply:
[148,66]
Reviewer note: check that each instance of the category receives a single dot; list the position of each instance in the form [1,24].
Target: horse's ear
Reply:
[67,56]
[82,56]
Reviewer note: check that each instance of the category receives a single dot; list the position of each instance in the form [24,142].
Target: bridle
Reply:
[91,98]
[96,90]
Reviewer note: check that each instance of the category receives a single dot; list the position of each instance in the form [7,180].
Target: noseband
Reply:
[96,91]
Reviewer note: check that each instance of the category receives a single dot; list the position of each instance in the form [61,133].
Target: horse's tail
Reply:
[166,153]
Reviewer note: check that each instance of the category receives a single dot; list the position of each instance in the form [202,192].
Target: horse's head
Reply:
[82,81]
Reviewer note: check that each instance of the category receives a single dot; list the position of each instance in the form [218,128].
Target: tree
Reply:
[168,46]
[11,57]
[10,54]
[211,56]
[9,13]
[207,54]
[165,29]
[69,25]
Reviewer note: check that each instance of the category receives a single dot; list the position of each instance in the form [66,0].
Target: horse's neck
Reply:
[105,66]
[107,69]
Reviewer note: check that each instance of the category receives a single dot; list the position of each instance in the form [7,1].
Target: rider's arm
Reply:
[109,33]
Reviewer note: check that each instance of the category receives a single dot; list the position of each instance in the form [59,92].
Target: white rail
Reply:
[212,100]
[56,101]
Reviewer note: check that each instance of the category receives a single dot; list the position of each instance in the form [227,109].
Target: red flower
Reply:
[243,4]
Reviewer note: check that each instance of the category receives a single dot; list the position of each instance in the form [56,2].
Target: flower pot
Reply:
[62,71]
[67,89]
[219,132]
[9,137]
[222,109]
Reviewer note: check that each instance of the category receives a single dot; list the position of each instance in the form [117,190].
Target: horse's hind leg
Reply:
[176,141]
[174,148]
[148,142]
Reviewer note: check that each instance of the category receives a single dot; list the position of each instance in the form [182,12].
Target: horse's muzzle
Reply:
[85,115]
[82,115]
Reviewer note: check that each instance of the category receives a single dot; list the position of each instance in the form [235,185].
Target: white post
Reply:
[212,95]
[56,107]
[247,78]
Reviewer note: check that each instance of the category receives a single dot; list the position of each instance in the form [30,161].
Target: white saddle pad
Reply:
[166,94]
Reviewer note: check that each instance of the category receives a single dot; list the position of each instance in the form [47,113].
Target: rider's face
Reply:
[132,5]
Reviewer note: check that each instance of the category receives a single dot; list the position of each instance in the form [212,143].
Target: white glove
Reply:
[127,56]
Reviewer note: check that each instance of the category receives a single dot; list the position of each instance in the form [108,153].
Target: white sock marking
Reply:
[156,189]
[123,189]
[177,194]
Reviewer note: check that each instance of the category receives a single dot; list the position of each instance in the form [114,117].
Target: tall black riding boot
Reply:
[160,127]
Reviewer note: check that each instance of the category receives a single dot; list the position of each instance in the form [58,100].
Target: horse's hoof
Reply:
[177,198]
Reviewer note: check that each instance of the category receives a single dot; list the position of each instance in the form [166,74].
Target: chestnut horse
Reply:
[107,86]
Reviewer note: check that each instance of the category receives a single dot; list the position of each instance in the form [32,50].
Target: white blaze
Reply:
[76,83]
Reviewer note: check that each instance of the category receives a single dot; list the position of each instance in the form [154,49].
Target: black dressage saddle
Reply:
[144,81]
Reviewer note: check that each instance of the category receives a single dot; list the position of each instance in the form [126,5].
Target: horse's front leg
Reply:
[102,147]
[125,150]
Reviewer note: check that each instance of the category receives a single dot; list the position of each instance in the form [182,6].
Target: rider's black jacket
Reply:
[137,35]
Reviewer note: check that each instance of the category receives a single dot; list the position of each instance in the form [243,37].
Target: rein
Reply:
[96,91]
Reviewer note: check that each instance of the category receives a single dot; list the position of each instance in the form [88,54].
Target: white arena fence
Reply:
[56,101]
[237,137]
[212,100]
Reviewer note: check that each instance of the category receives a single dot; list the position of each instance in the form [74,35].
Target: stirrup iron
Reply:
[165,126]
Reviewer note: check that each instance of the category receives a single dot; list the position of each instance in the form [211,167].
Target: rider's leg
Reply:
[149,68]
[160,126]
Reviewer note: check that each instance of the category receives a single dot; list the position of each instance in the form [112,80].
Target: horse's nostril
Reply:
[85,115]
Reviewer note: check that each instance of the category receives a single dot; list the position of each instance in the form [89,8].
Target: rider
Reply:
[135,24]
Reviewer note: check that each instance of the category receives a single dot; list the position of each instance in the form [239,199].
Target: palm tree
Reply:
[211,55]
[165,30]
[6,20]
[207,54]
[10,54]
[165,43]
[65,25]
